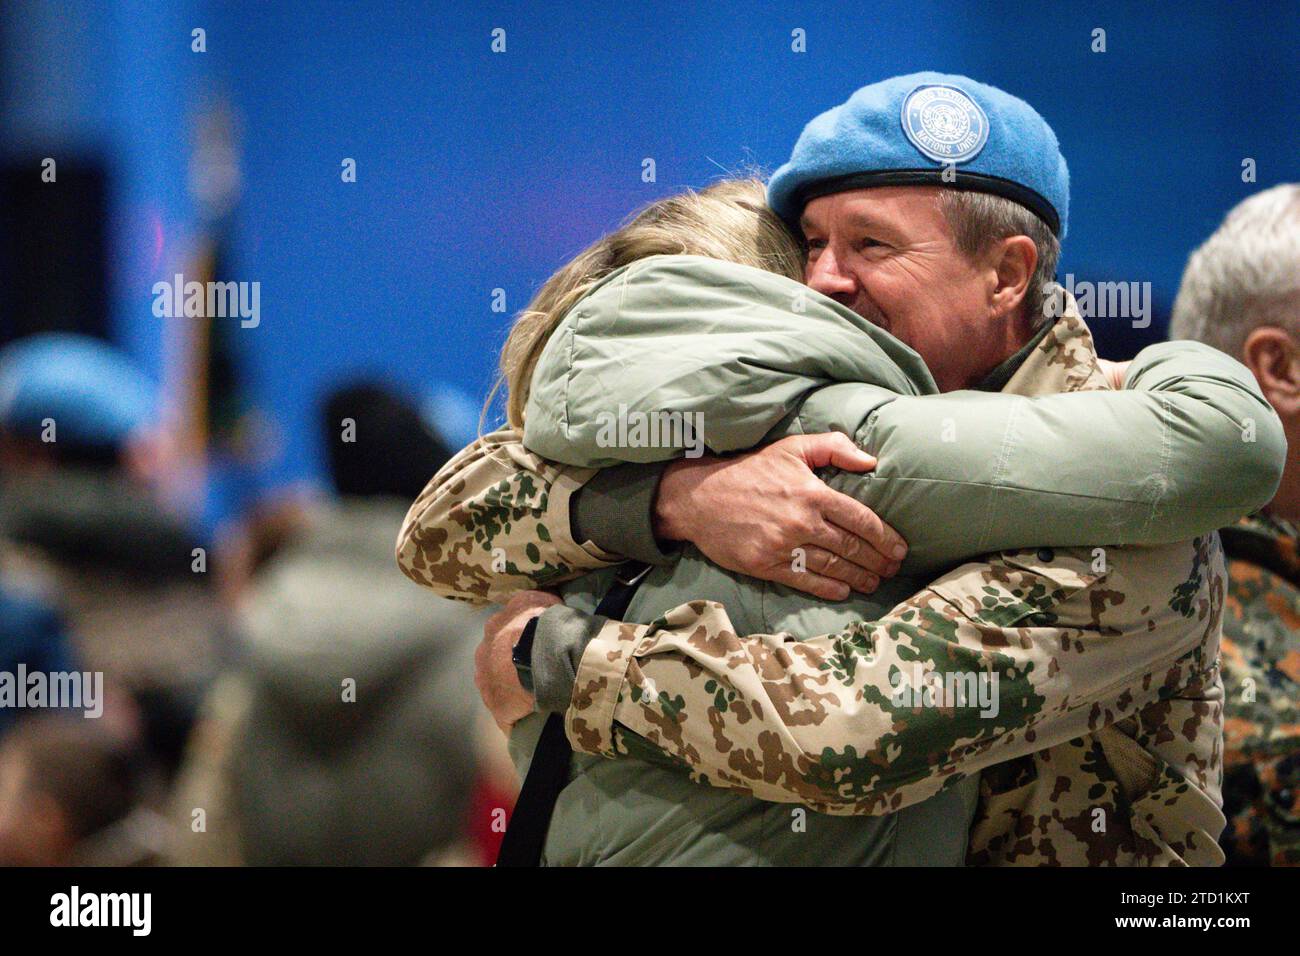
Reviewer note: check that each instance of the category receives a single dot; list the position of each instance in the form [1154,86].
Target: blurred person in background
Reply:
[353,734]
[31,635]
[81,519]
[73,793]
[1241,293]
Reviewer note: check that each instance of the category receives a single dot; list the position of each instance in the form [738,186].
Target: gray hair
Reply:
[1245,275]
[979,218]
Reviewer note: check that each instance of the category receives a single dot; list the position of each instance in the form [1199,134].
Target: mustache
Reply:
[864,307]
[867,309]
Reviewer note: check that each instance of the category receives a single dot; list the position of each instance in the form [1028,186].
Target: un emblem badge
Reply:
[944,123]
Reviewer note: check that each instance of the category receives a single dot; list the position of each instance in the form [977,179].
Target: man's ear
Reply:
[1272,355]
[1016,257]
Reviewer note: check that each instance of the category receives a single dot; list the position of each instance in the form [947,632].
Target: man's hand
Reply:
[494,669]
[766,514]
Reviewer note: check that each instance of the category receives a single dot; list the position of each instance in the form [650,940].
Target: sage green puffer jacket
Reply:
[751,357]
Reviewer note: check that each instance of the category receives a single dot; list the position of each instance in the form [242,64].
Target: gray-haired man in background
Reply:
[1241,294]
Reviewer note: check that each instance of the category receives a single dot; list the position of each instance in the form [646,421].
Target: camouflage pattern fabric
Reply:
[1261,675]
[495,521]
[1067,651]
[1076,646]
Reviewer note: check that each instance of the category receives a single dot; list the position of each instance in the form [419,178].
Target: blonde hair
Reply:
[728,220]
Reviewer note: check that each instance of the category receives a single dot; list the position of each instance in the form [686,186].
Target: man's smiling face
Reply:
[890,255]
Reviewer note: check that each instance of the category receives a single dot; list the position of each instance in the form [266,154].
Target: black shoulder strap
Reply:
[549,770]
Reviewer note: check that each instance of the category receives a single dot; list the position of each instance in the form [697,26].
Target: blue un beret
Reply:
[93,392]
[903,132]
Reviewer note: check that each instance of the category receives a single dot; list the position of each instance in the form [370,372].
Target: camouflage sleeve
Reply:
[495,520]
[1261,670]
[991,662]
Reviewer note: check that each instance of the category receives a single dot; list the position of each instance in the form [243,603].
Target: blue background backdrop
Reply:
[479,171]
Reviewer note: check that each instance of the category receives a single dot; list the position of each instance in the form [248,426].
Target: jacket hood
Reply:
[689,335]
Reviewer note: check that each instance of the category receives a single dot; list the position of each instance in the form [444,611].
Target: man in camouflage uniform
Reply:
[1241,293]
[1107,746]
[773,713]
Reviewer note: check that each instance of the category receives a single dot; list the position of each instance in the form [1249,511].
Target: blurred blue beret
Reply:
[903,132]
[96,395]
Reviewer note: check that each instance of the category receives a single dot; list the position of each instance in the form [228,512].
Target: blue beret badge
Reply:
[944,123]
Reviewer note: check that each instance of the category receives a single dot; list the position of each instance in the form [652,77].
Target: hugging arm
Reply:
[1189,445]
[495,520]
[498,519]
[1041,650]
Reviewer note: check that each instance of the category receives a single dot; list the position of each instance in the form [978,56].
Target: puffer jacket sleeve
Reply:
[1190,445]
[675,354]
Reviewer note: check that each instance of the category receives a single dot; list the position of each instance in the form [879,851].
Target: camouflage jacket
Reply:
[1075,646]
[1261,675]
[494,521]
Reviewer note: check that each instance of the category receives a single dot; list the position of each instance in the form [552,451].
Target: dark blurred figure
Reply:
[378,446]
[352,736]
[81,516]
[71,794]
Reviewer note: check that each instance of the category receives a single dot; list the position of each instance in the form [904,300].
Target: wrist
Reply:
[562,636]
[672,500]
